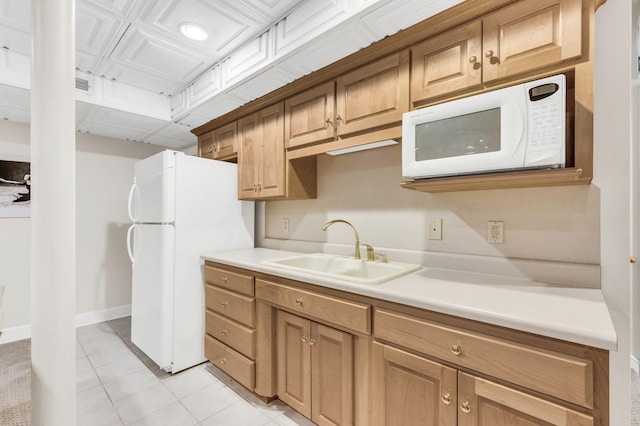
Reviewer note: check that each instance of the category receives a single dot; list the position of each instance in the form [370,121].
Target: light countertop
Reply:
[574,314]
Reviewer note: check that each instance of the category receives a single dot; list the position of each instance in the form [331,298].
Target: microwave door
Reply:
[486,137]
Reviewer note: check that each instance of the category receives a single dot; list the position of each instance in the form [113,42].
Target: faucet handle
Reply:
[371,254]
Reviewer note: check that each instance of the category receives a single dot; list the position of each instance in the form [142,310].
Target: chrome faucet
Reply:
[331,222]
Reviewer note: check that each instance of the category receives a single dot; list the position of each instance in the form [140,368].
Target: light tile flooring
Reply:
[119,385]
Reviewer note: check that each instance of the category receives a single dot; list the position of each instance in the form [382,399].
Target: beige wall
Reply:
[551,224]
[104,174]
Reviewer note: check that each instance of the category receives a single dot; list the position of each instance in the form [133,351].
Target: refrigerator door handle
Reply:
[130,202]
[129,242]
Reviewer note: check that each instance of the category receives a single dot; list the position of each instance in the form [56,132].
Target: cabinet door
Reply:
[331,376]
[248,156]
[271,168]
[294,362]
[446,63]
[411,390]
[226,141]
[374,95]
[310,116]
[205,145]
[531,34]
[481,402]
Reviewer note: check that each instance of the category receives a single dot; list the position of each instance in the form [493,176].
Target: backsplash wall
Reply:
[559,224]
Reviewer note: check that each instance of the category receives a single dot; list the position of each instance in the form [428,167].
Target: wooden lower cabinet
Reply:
[230,314]
[411,390]
[482,402]
[315,369]
[344,359]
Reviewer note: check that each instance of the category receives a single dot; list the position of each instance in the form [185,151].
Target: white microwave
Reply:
[519,127]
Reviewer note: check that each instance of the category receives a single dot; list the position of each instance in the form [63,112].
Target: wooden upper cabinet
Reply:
[531,34]
[482,402]
[447,63]
[374,95]
[219,144]
[226,141]
[310,116]
[519,38]
[261,162]
[205,145]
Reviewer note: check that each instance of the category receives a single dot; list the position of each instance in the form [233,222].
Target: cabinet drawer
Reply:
[564,376]
[229,280]
[231,333]
[231,305]
[231,362]
[343,313]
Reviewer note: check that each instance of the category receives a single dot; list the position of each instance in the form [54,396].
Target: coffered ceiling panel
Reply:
[224,23]
[148,54]
[14,26]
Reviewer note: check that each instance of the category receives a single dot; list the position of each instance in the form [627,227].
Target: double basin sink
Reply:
[344,268]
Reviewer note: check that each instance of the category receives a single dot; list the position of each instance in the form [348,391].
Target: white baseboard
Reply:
[635,364]
[88,318]
[21,332]
[14,334]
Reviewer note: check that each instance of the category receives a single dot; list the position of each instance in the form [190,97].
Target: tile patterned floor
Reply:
[118,385]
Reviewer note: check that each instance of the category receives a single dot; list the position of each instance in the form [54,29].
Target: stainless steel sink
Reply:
[344,268]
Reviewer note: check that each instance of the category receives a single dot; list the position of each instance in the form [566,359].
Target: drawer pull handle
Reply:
[304,338]
[312,341]
[224,331]
[223,280]
[298,300]
[446,398]
[465,407]
[456,350]
[224,304]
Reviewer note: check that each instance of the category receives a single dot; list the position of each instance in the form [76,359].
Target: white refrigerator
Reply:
[181,207]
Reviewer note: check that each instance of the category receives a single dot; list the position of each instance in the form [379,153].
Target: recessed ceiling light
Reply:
[193,31]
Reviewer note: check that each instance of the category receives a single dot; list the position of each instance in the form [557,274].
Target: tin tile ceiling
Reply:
[140,79]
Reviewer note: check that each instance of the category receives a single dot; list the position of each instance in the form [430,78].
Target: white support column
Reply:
[53,265]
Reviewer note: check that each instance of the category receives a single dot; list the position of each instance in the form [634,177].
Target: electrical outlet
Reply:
[435,229]
[495,232]
[285,224]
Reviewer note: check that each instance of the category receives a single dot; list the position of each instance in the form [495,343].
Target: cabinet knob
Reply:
[298,300]
[224,331]
[304,338]
[456,350]
[224,304]
[488,54]
[338,118]
[633,259]
[223,280]
[223,360]
[328,121]
[446,398]
[473,59]
[465,407]
[312,341]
